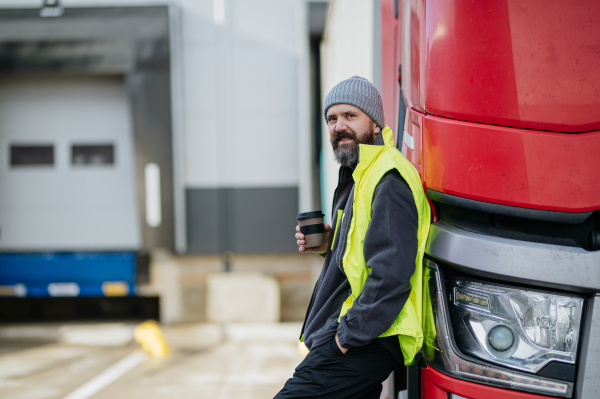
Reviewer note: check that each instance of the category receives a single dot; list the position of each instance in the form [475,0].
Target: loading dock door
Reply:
[66,165]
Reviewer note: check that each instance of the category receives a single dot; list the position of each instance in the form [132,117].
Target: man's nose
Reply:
[340,126]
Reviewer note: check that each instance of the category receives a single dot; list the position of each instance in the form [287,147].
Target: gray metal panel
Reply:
[84,40]
[263,219]
[177,119]
[545,265]
[588,376]
[150,93]
[242,219]
[90,23]
[202,220]
[317,14]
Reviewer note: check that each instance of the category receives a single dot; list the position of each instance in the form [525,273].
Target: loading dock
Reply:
[86,147]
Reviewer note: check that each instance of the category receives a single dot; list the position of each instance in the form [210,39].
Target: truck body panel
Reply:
[511,63]
[511,166]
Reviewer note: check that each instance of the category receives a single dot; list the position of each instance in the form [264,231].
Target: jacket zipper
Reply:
[318,285]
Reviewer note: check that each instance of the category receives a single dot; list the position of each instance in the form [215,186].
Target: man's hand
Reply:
[318,250]
[337,341]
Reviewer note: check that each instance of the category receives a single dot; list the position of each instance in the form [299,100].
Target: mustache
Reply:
[339,136]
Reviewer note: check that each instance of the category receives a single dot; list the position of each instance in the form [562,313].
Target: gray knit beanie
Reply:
[359,92]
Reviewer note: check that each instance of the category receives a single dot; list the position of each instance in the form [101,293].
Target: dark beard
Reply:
[347,154]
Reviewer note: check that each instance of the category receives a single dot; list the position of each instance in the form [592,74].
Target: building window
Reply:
[93,154]
[31,155]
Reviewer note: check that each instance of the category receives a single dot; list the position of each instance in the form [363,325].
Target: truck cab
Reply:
[497,107]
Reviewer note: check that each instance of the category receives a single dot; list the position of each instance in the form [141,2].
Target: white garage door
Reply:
[67,177]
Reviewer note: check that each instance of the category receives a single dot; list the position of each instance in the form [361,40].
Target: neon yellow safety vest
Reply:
[374,162]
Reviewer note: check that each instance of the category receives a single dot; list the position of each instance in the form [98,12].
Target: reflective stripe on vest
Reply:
[375,161]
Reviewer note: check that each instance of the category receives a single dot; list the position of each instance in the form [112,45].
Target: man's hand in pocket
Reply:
[337,341]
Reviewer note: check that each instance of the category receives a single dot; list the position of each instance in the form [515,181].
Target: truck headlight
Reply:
[498,335]
[520,329]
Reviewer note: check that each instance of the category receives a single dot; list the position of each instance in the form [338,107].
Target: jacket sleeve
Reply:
[390,250]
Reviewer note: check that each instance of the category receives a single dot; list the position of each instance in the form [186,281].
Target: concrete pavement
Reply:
[241,361]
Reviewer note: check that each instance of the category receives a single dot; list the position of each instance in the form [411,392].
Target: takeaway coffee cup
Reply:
[311,225]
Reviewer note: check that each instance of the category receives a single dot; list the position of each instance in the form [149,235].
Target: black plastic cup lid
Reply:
[310,215]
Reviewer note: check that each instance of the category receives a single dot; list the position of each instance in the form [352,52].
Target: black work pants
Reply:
[328,373]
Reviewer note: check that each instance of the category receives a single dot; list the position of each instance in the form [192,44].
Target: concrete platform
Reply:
[242,297]
[182,282]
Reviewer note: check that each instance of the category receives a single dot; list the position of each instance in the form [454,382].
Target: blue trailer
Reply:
[68,274]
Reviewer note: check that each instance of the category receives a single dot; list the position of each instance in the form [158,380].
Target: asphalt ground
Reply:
[102,361]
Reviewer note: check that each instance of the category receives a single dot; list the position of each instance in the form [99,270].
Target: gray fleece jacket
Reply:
[390,249]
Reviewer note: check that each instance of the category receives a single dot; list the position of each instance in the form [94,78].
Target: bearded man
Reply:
[365,315]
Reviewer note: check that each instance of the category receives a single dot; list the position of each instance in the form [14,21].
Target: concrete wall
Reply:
[241,123]
[239,94]
[240,120]
[181,281]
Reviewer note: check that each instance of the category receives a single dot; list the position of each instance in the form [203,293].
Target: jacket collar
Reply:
[368,152]
[379,139]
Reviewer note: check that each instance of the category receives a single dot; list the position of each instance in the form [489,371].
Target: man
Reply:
[365,313]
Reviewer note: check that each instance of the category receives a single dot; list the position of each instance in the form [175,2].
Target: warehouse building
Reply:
[188,130]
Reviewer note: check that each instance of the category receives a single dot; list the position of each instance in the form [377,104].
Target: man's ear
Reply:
[377,129]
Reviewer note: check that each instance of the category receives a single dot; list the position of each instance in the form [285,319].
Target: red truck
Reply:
[497,105]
